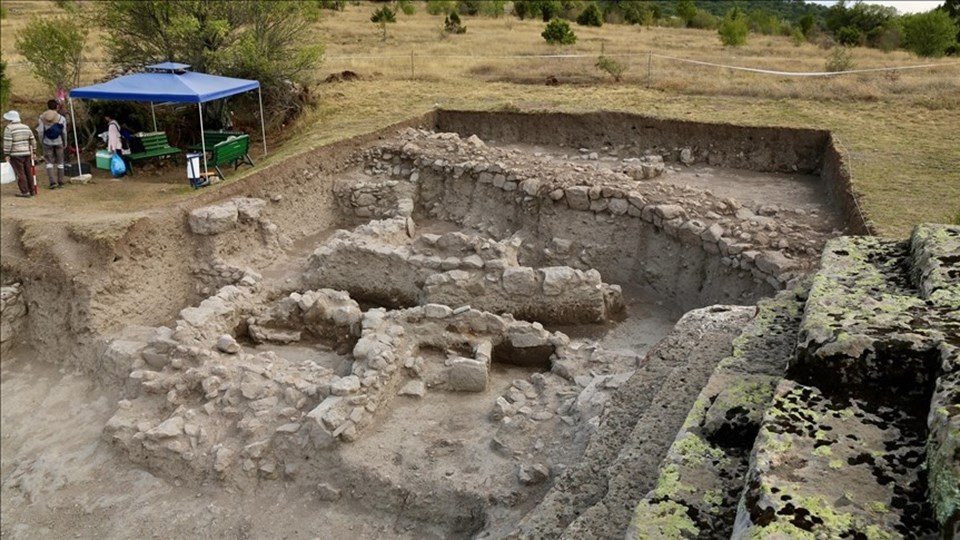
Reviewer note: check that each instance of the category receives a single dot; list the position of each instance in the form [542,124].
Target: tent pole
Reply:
[154,115]
[203,143]
[73,124]
[263,130]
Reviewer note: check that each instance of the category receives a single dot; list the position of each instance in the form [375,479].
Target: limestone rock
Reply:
[227,344]
[467,375]
[415,388]
[211,220]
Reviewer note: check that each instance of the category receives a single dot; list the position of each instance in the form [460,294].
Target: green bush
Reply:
[638,13]
[491,8]
[558,32]
[53,46]
[733,29]
[451,24]
[439,7]
[839,59]
[255,39]
[686,10]
[703,20]
[797,38]
[611,67]
[849,36]
[929,34]
[381,18]
[590,16]
[4,86]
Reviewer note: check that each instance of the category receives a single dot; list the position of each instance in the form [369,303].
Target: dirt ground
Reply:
[61,480]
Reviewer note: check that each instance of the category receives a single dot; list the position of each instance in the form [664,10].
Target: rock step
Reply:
[935,261]
[870,404]
[636,428]
[864,326]
[701,479]
[836,467]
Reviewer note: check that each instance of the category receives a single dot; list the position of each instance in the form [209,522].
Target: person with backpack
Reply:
[52,130]
[18,147]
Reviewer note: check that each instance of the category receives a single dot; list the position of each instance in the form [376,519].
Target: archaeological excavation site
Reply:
[490,325]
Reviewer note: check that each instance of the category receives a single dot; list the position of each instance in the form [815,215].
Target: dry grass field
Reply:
[901,129]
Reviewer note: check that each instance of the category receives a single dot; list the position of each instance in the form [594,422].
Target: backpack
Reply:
[54,131]
[125,135]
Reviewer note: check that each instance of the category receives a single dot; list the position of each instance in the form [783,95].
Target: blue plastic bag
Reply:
[117,167]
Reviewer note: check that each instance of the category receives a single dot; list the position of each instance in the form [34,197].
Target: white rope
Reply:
[801,73]
[698,62]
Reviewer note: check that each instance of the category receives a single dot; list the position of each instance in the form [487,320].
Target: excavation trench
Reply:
[223,365]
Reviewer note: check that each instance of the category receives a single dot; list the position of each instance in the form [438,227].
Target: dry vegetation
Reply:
[902,129]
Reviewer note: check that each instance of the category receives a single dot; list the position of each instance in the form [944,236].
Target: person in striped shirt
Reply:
[18,147]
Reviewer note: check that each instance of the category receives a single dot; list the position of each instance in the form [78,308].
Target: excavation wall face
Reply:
[769,149]
[739,147]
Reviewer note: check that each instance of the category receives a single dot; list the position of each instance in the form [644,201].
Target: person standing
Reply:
[114,141]
[18,148]
[51,131]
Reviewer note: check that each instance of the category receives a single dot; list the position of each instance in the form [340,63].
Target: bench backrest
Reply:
[215,137]
[232,150]
[154,141]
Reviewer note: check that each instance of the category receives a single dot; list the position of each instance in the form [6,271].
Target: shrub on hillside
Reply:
[439,7]
[558,32]
[53,46]
[451,24]
[686,10]
[611,67]
[703,20]
[255,39]
[4,86]
[382,17]
[929,34]
[839,59]
[490,8]
[797,38]
[849,36]
[733,29]
[590,16]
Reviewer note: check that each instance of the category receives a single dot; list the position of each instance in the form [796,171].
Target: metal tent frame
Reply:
[169,82]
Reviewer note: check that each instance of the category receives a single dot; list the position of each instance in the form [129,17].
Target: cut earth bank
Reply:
[367,380]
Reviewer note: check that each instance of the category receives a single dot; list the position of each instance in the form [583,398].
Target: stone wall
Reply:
[726,145]
[13,314]
[382,262]
[693,247]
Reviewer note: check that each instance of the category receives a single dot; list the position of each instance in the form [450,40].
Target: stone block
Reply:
[520,280]
[578,197]
[211,220]
[467,375]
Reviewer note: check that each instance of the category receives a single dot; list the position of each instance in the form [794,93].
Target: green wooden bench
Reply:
[233,151]
[155,145]
[213,138]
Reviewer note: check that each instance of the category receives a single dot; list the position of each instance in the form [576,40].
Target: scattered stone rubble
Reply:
[201,404]
[380,262]
[13,314]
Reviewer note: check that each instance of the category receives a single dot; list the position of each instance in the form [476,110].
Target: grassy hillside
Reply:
[902,129]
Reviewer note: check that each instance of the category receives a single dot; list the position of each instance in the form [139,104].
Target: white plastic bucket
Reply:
[193,166]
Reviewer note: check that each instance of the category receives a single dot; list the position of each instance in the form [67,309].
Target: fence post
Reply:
[649,67]
[411,64]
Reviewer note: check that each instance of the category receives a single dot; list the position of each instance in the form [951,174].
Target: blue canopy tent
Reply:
[169,82]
